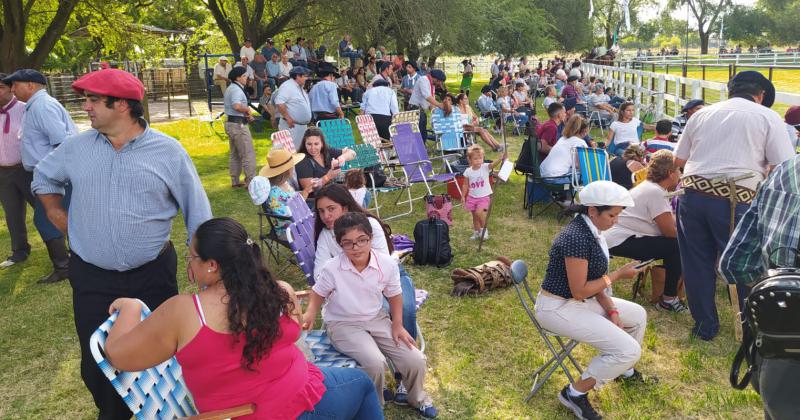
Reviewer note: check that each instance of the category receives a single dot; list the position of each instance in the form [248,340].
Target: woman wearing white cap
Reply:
[574,300]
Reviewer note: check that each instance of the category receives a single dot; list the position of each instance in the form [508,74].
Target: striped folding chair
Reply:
[407,117]
[300,236]
[592,165]
[448,130]
[155,393]
[369,135]
[560,348]
[338,133]
[283,138]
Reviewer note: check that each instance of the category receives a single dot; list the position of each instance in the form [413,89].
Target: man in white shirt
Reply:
[299,53]
[423,94]
[247,50]
[294,105]
[739,136]
[381,102]
[221,71]
[251,75]
[286,68]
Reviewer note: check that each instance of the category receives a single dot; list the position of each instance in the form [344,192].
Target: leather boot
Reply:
[57,249]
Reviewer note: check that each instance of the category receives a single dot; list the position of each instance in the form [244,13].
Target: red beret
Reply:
[793,115]
[110,82]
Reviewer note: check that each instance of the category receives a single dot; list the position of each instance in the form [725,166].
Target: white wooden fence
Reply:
[646,87]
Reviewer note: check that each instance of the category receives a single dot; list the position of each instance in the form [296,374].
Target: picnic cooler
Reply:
[453,191]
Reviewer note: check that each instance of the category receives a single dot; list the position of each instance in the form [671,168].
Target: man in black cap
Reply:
[294,105]
[423,95]
[45,126]
[687,111]
[269,48]
[324,95]
[237,111]
[733,143]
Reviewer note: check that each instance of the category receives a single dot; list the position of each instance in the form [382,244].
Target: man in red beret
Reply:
[129,182]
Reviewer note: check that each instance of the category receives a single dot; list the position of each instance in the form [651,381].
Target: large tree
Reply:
[706,13]
[609,17]
[40,23]
[784,16]
[746,24]
[568,24]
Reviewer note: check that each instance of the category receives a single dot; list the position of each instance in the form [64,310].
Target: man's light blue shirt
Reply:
[324,97]
[123,201]
[45,125]
[273,69]
[234,94]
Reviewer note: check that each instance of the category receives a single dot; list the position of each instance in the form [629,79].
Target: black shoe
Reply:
[54,277]
[637,378]
[579,405]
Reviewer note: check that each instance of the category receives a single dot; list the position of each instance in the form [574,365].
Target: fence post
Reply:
[169,94]
[146,107]
[770,74]
[684,72]
[697,89]
[661,99]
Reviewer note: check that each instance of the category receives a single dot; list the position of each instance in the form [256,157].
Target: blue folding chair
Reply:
[449,131]
[338,133]
[592,165]
[155,393]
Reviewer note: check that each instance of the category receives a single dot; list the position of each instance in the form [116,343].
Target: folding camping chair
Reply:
[155,393]
[283,138]
[268,221]
[300,235]
[554,186]
[367,157]
[559,349]
[614,149]
[592,166]
[416,165]
[338,133]
[449,131]
[369,135]
[406,117]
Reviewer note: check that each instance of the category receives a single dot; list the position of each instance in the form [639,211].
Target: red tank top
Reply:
[282,385]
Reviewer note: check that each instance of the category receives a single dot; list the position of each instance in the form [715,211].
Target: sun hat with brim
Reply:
[279,161]
[604,193]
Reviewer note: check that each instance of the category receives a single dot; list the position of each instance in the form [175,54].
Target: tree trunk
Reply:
[609,36]
[704,36]
[13,54]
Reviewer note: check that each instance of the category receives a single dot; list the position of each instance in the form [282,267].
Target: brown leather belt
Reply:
[718,189]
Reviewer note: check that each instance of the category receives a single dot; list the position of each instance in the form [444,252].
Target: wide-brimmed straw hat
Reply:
[279,161]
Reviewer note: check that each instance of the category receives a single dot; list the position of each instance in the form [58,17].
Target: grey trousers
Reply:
[777,382]
[15,195]
[242,154]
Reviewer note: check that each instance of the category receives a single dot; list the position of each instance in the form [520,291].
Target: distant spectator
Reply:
[247,50]
[470,121]
[662,140]
[550,96]
[792,118]
[299,53]
[599,102]
[286,68]
[274,71]
[348,88]
[269,48]
[259,65]
[221,71]
[346,50]
[487,106]
[381,102]
[251,75]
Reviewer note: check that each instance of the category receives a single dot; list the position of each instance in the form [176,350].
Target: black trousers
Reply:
[15,196]
[658,247]
[382,123]
[776,381]
[423,121]
[93,291]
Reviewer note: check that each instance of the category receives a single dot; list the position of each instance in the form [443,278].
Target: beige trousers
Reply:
[222,85]
[586,322]
[242,154]
[369,343]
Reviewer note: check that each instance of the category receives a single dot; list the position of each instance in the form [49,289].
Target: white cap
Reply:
[259,190]
[605,193]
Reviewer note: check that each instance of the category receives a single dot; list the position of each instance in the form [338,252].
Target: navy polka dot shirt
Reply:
[575,240]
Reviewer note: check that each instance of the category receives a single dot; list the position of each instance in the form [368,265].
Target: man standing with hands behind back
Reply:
[129,182]
[45,126]
[237,110]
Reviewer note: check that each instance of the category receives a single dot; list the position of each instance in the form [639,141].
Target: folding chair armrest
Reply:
[448,155]
[385,144]
[275,216]
[227,413]
[418,162]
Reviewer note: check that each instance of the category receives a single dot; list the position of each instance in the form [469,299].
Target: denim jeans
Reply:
[349,394]
[47,230]
[409,303]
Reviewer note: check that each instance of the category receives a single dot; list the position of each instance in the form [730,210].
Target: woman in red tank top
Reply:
[235,340]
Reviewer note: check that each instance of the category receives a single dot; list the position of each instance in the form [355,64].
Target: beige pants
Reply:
[586,322]
[369,343]
[222,85]
[242,154]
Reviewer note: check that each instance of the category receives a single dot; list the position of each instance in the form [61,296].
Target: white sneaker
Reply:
[485,234]
[475,235]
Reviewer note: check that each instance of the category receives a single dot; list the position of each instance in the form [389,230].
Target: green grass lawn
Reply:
[480,350]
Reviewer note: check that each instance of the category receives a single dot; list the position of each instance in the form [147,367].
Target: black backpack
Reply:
[432,243]
[524,163]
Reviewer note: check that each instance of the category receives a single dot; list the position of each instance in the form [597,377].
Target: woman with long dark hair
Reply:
[322,164]
[332,202]
[235,339]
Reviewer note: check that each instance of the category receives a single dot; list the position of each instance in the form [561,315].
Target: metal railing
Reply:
[773,58]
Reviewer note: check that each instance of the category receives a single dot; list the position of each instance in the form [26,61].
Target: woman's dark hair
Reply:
[255,300]
[581,209]
[460,97]
[623,107]
[351,220]
[341,196]
[315,132]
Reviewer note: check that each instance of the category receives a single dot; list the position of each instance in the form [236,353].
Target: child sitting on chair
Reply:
[352,286]
[662,141]
[356,183]
[279,168]
[476,191]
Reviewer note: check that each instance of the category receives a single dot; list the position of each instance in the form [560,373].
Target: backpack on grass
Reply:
[432,243]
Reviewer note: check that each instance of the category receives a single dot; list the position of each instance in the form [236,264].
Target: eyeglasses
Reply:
[189,257]
[361,242]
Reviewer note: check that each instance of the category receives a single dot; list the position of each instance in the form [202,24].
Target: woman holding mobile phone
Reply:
[574,301]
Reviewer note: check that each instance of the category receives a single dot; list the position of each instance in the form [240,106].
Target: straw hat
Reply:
[279,161]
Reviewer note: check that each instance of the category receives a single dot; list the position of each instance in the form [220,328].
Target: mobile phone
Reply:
[644,264]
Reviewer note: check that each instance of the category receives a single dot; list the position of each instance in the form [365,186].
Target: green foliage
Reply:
[609,16]
[569,24]
[746,24]
[784,16]
[515,28]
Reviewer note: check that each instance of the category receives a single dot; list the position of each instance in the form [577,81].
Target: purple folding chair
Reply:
[299,208]
[300,236]
[417,166]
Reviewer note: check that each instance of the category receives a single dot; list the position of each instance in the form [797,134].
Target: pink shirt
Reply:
[283,384]
[351,295]
[10,143]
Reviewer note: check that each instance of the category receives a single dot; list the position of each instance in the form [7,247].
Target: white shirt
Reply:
[792,135]
[381,100]
[248,52]
[421,92]
[356,296]
[732,138]
[359,194]
[285,69]
[248,70]
[479,185]
[547,101]
[222,71]
[559,161]
[299,52]
[626,132]
[327,247]
[639,220]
